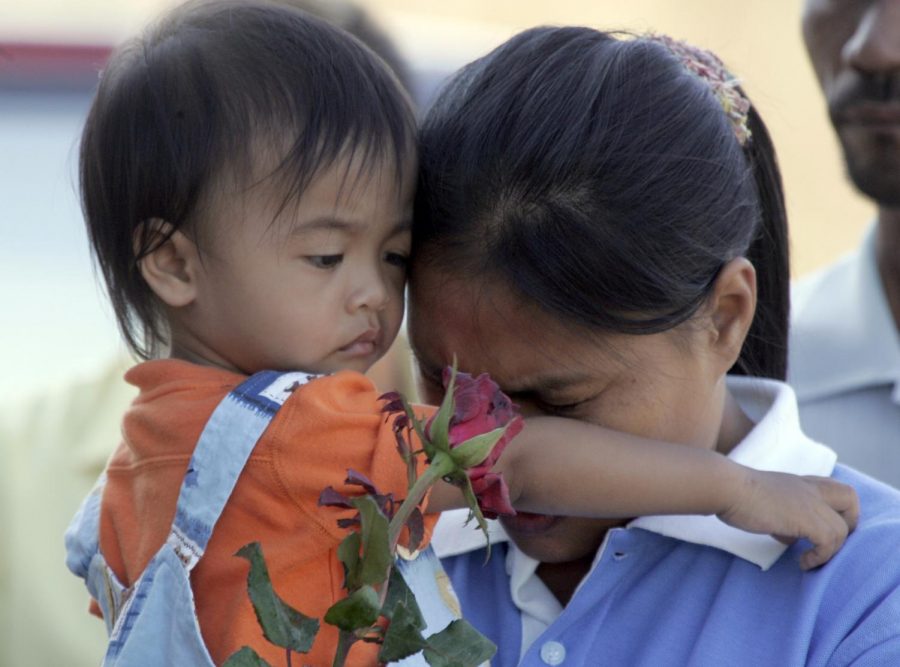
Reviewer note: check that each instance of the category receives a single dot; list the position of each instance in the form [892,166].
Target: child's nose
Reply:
[370,291]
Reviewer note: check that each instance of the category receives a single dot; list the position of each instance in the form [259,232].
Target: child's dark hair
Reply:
[215,90]
[599,179]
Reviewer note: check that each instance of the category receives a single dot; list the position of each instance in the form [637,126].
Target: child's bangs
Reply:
[303,109]
[360,154]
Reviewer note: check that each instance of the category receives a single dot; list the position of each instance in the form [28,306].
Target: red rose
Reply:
[480,407]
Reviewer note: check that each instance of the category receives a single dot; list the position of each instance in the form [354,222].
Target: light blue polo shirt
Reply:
[670,594]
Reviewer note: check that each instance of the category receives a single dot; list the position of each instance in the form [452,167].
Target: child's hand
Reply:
[789,507]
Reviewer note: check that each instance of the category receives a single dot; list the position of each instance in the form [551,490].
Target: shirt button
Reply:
[553,653]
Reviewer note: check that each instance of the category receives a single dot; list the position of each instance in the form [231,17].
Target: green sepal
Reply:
[475,450]
[418,425]
[458,645]
[281,624]
[245,657]
[356,611]
[440,424]
[475,513]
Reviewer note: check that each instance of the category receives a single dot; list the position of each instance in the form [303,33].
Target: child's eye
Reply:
[396,259]
[324,261]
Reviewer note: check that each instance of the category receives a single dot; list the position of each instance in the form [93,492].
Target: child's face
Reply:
[318,289]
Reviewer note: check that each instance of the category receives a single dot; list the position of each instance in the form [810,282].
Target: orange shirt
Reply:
[324,428]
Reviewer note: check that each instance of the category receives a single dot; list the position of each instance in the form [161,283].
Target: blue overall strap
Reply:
[161,603]
[221,453]
[82,536]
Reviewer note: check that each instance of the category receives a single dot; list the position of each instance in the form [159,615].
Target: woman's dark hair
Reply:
[210,95]
[598,178]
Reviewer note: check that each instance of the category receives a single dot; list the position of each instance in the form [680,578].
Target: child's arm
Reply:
[566,467]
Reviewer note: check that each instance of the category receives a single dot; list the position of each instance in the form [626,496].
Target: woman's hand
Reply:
[789,507]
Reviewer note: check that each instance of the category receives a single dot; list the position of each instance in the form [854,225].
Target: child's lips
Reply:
[363,345]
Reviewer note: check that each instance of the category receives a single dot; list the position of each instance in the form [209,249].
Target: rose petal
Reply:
[462,432]
[493,496]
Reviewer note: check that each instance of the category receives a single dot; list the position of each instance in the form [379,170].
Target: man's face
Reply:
[854,46]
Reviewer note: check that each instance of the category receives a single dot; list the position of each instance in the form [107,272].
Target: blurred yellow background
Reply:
[760,41]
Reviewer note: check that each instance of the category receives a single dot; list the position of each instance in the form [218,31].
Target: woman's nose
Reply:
[875,46]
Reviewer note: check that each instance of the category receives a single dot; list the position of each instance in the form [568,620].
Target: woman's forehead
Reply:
[488,329]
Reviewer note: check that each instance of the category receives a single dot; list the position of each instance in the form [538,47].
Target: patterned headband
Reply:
[706,66]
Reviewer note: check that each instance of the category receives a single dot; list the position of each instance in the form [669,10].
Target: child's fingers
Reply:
[828,536]
[818,555]
[841,497]
[831,532]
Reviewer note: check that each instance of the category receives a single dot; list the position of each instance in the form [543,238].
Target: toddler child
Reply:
[247,175]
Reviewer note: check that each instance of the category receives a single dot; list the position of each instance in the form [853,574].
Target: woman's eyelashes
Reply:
[562,408]
[400,260]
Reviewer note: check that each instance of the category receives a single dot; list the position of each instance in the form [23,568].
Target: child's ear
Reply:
[732,306]
[169,269]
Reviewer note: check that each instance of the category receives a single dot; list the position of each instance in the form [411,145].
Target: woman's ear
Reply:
[169,269]
[731,308]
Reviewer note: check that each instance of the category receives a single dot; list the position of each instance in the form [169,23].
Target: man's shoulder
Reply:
[815,292]
[833,314]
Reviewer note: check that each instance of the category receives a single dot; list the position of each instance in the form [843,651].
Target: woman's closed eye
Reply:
[397,259]
[324,261]
[560,408]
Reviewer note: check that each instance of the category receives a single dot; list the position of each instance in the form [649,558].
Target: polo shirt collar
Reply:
[776,443]
[843,336]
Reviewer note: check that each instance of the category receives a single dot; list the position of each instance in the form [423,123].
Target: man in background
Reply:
[845,341]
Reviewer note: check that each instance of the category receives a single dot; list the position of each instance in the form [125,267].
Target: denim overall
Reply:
[154,622]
